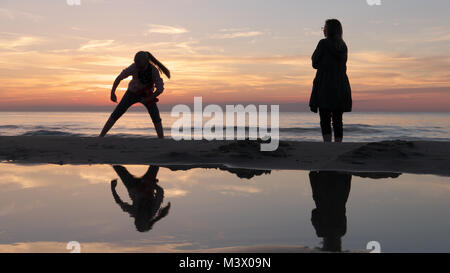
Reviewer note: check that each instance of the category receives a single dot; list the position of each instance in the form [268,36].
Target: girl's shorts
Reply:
[130,98]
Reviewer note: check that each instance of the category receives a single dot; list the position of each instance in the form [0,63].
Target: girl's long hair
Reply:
[335,32]
[162,68]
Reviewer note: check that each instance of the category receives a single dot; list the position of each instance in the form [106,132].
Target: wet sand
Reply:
[422,157]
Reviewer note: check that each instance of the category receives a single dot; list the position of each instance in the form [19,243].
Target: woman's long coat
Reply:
[331,88]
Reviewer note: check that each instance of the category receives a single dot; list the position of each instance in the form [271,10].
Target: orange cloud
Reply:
[84,74]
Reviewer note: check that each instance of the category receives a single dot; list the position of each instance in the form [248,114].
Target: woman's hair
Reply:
[334,29]
[153,60]
[335,33]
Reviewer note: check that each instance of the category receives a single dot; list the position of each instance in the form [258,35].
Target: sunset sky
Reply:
[57,56]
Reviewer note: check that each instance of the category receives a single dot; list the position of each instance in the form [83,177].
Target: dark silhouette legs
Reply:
[108,125]
[156,118]
[126,102]
[159,130]
[111,121]
[327,138]
[326,117]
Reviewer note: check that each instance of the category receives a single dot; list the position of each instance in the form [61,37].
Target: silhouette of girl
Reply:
[146,194]
[331,92]
[145,71]
[330,193]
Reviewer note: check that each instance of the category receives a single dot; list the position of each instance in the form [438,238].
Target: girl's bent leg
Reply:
[127,178]
[159,130]
[127,100]
[152,171]
[156,118]
[108,125]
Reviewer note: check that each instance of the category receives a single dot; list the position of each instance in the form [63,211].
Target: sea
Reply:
[294,126]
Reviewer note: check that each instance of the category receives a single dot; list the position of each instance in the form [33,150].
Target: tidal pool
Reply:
[128,208]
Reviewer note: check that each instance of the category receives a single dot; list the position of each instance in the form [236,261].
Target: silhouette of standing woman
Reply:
[331,92]
[330,193]
[145,71]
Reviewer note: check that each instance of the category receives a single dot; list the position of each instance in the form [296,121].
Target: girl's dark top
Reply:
[331,88]
[146,76]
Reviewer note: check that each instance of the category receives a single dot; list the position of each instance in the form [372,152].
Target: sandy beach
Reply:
[424,157]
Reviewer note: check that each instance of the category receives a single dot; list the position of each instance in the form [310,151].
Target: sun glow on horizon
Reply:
[77,61]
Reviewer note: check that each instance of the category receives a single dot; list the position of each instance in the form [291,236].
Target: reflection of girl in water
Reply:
[330,193]
[146,194]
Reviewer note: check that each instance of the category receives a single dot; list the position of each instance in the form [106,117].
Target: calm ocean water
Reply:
[293,126]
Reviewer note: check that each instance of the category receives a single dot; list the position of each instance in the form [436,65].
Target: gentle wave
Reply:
[9,126]
[348,128]
[48,133]
[297,127]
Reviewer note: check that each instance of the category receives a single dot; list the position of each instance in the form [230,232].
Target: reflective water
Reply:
[157,209]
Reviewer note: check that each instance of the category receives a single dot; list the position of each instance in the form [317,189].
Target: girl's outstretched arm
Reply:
[123,205]
[123,75]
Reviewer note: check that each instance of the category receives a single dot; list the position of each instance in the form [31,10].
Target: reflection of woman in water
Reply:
[330,193]
[146,194]
[331,92]
[145,71]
